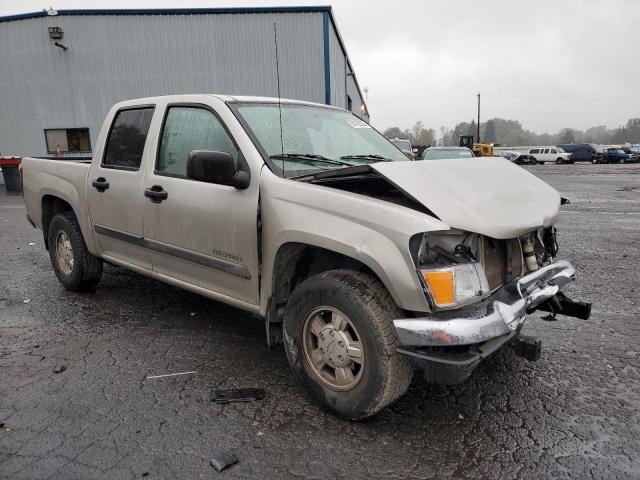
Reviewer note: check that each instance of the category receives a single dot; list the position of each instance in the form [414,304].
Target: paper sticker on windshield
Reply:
[356,123]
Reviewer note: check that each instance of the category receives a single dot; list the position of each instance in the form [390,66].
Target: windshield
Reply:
[443,153]
[402,144]
[314,138]
[561,150]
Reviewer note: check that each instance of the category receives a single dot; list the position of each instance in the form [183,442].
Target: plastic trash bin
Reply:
[11,175]
[11,172]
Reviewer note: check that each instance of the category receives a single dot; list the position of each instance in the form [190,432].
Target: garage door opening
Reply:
[65,140]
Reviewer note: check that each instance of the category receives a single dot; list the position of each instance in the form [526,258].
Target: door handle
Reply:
[156,194]
[100,184]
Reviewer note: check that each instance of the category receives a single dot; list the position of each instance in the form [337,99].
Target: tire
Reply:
[560,160]
[84,270]
[383,374]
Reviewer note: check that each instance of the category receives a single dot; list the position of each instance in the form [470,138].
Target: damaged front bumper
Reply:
[449,345]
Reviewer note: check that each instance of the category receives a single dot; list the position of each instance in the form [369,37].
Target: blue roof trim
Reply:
[172,11]
[327,62]
[346,55]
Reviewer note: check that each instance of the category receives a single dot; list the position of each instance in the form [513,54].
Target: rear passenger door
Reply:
[544,154]
[115,187]
[203,234]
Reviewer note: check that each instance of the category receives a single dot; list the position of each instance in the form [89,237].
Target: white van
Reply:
[550,154]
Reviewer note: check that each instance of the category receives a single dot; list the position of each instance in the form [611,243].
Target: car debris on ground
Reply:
[224,460]
[170,375]
[238,395]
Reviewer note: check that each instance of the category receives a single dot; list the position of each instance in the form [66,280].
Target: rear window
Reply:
[127,138]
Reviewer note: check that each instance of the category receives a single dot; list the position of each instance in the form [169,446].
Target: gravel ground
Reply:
[573,414]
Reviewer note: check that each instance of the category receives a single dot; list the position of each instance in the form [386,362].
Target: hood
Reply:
[486,195]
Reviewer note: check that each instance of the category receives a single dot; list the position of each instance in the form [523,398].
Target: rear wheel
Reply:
[76,268]
[341,343]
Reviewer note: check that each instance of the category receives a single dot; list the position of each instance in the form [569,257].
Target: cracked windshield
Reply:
[315,138]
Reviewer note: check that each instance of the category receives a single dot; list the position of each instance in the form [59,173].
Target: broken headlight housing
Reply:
[449,272]
[456,285]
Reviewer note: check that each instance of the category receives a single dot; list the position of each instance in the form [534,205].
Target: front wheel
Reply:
[76,268]
[341,343]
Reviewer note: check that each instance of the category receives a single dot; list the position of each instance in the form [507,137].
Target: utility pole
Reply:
[478,125]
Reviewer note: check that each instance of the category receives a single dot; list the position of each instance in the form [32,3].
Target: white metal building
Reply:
[60,71]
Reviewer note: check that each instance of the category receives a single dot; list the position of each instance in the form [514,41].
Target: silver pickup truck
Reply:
[364,264]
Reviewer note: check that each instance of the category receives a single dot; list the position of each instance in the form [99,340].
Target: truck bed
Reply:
[65,179]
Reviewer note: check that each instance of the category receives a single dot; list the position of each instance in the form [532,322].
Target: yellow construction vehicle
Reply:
[479,149]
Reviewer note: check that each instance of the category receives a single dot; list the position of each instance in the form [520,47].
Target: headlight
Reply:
[455,285]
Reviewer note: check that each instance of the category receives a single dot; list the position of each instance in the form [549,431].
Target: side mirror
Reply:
[216,167]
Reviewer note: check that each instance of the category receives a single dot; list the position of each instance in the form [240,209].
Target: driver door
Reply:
[200,233]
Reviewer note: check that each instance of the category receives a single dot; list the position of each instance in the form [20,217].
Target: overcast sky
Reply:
[547,63]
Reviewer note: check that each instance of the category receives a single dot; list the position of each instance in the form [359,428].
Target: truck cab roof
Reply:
[225,98]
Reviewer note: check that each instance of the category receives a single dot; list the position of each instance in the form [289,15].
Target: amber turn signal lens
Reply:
[441,286]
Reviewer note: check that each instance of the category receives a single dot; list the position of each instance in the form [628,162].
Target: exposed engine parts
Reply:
[550,242]
[529,254]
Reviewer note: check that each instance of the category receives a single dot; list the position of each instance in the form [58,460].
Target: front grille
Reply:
[502,260]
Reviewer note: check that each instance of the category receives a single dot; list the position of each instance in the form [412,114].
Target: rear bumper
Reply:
[439,341]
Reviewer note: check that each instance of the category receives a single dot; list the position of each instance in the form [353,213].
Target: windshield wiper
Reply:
[307,157]
[367,157]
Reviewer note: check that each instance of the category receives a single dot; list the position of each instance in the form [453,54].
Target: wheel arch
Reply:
[295,261]
[50,206]
[53,203]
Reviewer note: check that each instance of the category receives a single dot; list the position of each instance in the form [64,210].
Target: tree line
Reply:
[511,133]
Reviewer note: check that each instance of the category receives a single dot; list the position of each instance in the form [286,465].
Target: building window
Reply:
[349,103]
[67,140]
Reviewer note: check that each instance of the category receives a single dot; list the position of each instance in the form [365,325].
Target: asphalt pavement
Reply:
[573,414]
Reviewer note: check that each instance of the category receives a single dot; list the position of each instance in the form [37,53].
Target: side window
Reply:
[546,150]
[126,139]
[534,150]
[553,150]
[186,129]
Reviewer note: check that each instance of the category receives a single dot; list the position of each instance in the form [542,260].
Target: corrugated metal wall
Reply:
[116,57]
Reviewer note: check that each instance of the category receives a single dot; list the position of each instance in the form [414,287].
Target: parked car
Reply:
[550,155]
[439,153]
[519,158]
[361,263]
[634,157]
[583,152]
[404,145]
[616,155]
